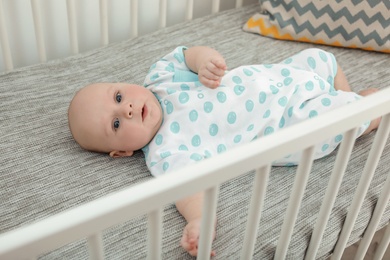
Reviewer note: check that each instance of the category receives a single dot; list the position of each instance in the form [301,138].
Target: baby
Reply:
[191,108]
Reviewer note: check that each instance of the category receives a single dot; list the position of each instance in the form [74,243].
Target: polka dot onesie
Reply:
[252,101]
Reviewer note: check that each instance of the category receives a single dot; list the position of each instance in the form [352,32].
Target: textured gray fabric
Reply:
[44,172]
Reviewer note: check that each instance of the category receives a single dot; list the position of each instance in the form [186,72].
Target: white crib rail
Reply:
[89,220]
[72,25]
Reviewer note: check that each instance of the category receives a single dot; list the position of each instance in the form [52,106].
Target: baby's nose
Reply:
[129,110]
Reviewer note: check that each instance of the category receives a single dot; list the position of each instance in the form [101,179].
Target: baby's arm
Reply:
[191,209]
[207,63]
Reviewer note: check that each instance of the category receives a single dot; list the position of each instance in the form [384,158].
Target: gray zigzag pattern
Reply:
[372,3]
[344,12]
[331,33]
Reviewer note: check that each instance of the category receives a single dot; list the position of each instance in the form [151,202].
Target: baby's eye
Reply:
[118,97]
[116,124]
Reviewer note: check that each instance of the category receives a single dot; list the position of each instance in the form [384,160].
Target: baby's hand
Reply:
[190,238]
[211,71]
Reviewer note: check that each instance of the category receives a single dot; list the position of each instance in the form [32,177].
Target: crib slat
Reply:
[238,3]
[134,18]
[103,22]
[154,234]
[215,7]
[189,10]
[4,41]
[208,219]
[95,246]
[331,192]
[381,249]
[36,11]
[365,180]
[72,23]
[163,14]
[254,214]
[374,222]
[294,203]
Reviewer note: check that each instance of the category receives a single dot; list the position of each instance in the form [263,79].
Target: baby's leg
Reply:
[375,122]
[340,81]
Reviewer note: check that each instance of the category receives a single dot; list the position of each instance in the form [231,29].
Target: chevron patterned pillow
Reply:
[363,24]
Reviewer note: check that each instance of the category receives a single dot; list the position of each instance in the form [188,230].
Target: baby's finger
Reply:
[210,83]
[219,63]
[215,70]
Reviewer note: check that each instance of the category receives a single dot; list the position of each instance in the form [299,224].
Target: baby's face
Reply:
[110,117]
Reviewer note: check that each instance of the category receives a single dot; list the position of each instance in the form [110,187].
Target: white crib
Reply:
[88,220]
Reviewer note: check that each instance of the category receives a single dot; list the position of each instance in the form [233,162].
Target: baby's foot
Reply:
[368,91]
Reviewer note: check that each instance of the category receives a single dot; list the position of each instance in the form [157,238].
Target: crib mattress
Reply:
[44,172]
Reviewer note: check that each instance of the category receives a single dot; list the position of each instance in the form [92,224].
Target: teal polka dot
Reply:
[250,127]
[322,84]
[213,129]
[323,56]
[196,141]
[231,118]
[153,164]
[165,154]
[184,87]
[338,138]
[268,130]
[283,101]
[170,67]
[282,122]
[159,139]
[171,91]
[249,105]
[330,80]
[196,157]
[248,72]
[221,97]
[238,89]
[313,113]
[296,89]
[309,85]
[287,81]
[184,97]
[326,102]
[183,148]
[262,97]
[178,57]
[288,61]
[208,107]
[154,77]
[274,89]
[333,93]
[193,115]
[169,107]
[285,72]
[221,148]
[165,166]
[237,139]
[237,80]
[268,66]
[207,154]
[255,69]
[325,147]
[267,113]
[312,62]
[175,127]
[290,111]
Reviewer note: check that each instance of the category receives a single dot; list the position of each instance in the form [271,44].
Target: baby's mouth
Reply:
[144,112]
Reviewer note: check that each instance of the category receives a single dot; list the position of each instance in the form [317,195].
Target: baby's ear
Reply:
[118,154]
